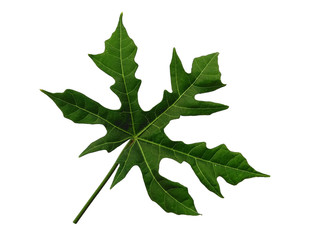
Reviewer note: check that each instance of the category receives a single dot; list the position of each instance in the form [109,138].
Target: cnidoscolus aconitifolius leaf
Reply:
[143,131]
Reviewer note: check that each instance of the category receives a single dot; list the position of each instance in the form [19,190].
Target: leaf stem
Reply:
[75,221]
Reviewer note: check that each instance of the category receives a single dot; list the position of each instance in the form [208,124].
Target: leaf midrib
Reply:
[124,79]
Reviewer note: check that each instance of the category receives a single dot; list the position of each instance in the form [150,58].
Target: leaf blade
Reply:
[148,143]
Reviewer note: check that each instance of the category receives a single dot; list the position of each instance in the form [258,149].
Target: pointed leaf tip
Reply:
[174,52]
[264,175]
[45,92]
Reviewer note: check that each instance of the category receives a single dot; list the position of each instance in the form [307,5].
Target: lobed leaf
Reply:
[148,143]
[208,164]
[204,77]
[81,109]
[118,61]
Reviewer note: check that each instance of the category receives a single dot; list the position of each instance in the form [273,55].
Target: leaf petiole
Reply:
[75,221]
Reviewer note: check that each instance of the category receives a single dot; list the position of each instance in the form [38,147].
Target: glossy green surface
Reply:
[144,131]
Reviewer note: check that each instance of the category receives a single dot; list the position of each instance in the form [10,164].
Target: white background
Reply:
[269,59]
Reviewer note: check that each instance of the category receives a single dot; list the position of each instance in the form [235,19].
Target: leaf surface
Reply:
[144,130]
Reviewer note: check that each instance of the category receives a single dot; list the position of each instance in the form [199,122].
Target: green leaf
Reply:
[144,130]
